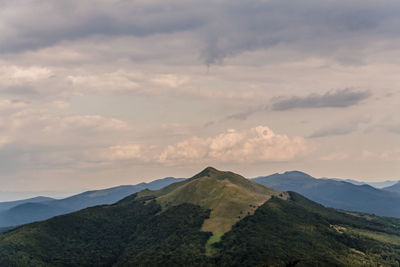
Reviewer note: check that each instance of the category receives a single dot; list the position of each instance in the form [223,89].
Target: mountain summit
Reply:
[229,196]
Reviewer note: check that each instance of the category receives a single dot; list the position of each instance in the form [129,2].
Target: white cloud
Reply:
[122,152]
[30,73]
[170,80]
[118,81]
[27,124]
[259,144]
[14,74]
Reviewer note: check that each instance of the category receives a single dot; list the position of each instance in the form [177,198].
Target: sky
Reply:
[100,93]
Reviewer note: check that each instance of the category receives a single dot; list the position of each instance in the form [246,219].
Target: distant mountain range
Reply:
[336,194]
[393,188]
[214,218]
[36,209]
[10,204]
[379,185]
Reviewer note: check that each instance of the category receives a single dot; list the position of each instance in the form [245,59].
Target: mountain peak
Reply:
[209,171]
[297,173]
[229,196]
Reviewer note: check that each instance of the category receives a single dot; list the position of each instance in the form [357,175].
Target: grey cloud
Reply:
[314,27]
[19,90]
[341,128]
[395,129]
[334,130]
[35,25]
[245,114]
[332,99]
[223,28]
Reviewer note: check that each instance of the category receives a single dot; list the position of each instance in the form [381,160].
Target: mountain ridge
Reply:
[10,204]
[393,188]
[38,211]
[139,231]
[336,194]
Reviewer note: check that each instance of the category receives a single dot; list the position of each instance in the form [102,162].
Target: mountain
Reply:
[10,204]
[393,188]
[336,194]
[229,196]
[30,211]
[173,227]
[379,185]
[383,184]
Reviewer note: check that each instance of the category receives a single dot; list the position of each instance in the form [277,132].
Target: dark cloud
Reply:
[312,27]
[245,114]
[34,25]
[335,130]
[222,28]
[332,99]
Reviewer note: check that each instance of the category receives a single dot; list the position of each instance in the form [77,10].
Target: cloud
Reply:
[115,153]
[395,128]
[259,144]
[27,125]
[15,75]
[332,99]
[245,114]
[334,130]
[341,128]
[30,82]
[91,82]
[7,105]
[29,25]
[33,138]
[222,28]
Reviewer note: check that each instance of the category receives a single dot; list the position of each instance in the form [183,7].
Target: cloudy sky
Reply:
[107,92]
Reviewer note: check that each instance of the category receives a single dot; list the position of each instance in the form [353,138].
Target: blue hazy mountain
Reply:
[10,204]
[379,185]
[336,194]
[30,211]
[393,188]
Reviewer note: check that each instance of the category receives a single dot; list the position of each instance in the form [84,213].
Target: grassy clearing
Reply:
[215,238]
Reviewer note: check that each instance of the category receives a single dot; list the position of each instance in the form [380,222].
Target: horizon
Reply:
[98,94]
[6,196]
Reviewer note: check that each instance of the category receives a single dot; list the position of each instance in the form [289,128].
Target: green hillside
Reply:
[229,196]
[174,226]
